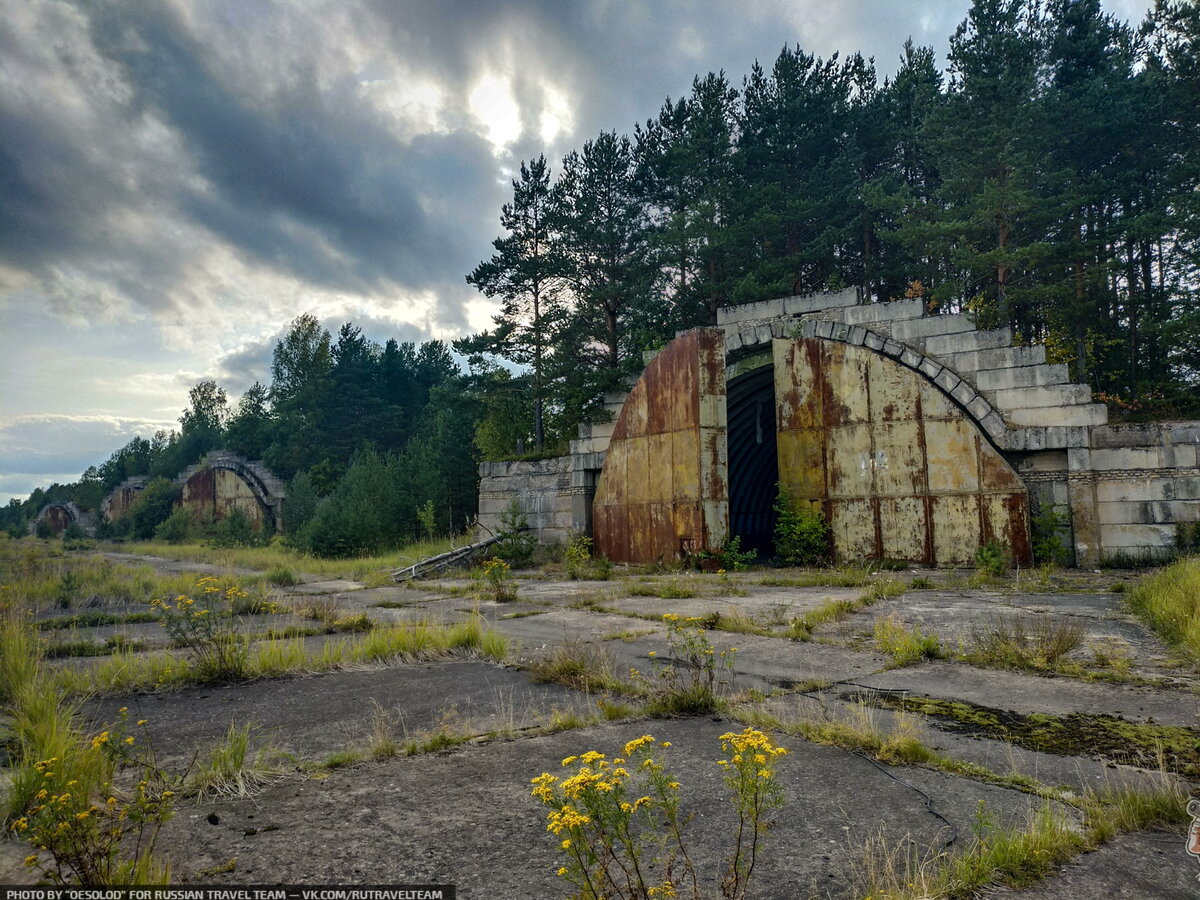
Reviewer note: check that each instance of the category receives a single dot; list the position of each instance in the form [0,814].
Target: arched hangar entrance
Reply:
[896,466]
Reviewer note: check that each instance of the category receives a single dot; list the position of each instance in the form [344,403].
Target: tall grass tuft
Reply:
[1170,602]
[232,770]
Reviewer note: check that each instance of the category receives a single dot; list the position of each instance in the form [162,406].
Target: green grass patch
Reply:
[95,619]
[125,671]
[848,576]
[580,665]
[1169,602]
[45,578]
[664,590]
[905,644]
[277,556]
[113,644]
[802,627]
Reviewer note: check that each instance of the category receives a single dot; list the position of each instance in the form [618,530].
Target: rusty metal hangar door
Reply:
[664,487]
[897,468]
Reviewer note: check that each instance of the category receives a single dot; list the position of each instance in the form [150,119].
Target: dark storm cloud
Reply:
[248,122]
[308,180]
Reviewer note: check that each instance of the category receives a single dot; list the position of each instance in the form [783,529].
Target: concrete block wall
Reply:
[1133,485]
[554,494]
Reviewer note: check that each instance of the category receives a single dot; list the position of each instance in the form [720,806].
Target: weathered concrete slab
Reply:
[320,714]
[466,817]
[769,607]
[327,586]
[1025,693]
[1071,772]
[957,617]
[1147,866]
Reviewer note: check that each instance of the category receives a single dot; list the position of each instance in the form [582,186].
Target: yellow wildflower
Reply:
[637,743]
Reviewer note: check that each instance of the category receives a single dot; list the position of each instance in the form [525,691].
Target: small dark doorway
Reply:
[753,463]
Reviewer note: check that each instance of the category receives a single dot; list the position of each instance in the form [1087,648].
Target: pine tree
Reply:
[984,152]
[526,273]
[798,177]
[903,194]
[605,239]
[685,166]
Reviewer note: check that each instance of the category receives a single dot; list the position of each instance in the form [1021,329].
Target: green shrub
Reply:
[1048,527]
[427,516]
[281,575]
[1187,537]
[177,528]
[44,529]
[151,508]
[581,564]
[731,557]
[73,533]
[299,506]
[992,558]
[801,533]
[236,530]
[516,542]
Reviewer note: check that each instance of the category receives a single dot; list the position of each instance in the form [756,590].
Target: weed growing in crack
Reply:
[801,628]
[580,665]
[495,581]
[620,826]
[232,770]
[206,623]
[695,674]
[905,644]
[1017,855]
[1021,642]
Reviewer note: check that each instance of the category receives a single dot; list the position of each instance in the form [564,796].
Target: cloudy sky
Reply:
[179,179]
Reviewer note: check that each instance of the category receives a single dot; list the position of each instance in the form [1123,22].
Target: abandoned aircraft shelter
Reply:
[919,437]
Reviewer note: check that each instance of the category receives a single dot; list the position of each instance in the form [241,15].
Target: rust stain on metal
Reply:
[118,502]
[902,471]
[664,485]
[215,493]
[57,518]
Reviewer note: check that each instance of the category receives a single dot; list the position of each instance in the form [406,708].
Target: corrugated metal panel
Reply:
[663,489]
[215,493]
[899,470]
